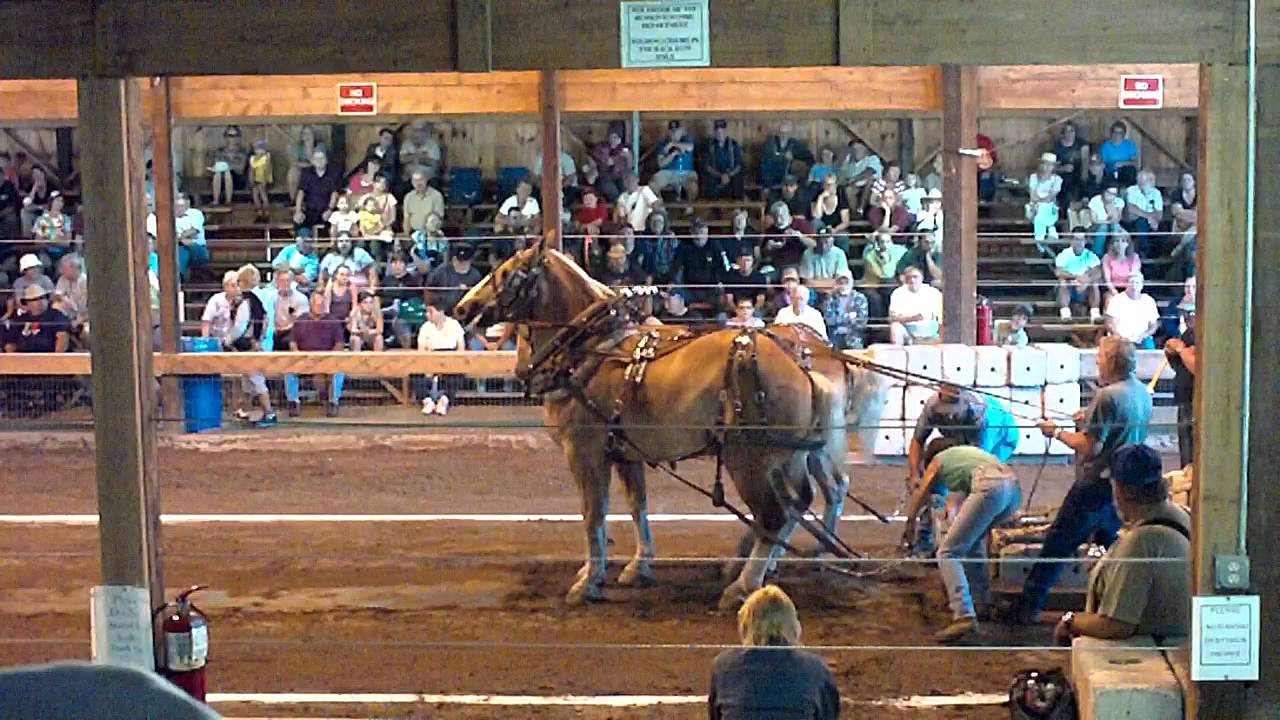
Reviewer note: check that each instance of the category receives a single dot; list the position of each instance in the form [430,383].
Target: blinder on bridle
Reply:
[518,292]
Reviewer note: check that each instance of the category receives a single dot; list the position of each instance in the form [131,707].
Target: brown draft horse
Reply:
[779,429]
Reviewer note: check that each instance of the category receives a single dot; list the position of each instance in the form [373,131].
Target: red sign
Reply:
[1142,92]
[357,98]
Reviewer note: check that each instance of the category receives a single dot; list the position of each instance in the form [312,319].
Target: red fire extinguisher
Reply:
[985,321]
[185,643]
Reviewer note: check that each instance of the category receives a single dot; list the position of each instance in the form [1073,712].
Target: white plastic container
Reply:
[959,364]
[1062,363]
[991,366]
[1027,366]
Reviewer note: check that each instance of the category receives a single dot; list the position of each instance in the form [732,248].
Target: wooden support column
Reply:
[166,244]
[119,302]
[473,35]
[907,146]
[552,192]
[62,141]
[959,203]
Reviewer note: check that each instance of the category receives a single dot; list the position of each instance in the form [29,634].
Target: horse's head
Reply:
[509,293]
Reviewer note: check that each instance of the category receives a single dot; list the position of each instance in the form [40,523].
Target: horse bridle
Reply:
[515,297]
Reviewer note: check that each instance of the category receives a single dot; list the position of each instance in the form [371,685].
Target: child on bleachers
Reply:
[343,219]
[260,172]
[1014,332]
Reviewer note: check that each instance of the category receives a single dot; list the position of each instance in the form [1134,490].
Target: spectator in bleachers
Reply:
[301,157]
[676,310]
[188,228]
[1077,269]
[769,677]
[618,271]
[430,247]
[219,310]
[1119,155]
[301,260]
[794,196]
[933,178]
[340,296]
[71,297]
[660,246]
[824,167]
[229,166]
[744,315]
[386,152]
[420,202]
[722,169]
[519,213]
[1095,177]
[363,270]
[1070,155]
[440,333]
[880,260]
[344,218]
[361,183]
[365,325]
[823,261]
[846,313]
[740,237]
[889,214]
[890,179]
[372,227]
[1144,211]
[931,216]
[1121,261]
[786,240]
[36,327]
[262,177]
[831,212]
[9,169]
[1106,211]
[1182,204]
[254,331]
[613,161]
[860,169]
[699,266]
[988,169]
[316,331]
[421,152]
[789,278]
[915,310]
[914,195]
[568,175]
[1014,333]
[35,199]
[1133,314]
[1181,353]
[402,289]
[1043,187]
[31,272]
[781,151]
[798,311]
[386,204]
[53,228]
[451,280]
[590,220]
[318,188]
[290,304]
[10,204]
[925,256]
[636,202]
[742,280]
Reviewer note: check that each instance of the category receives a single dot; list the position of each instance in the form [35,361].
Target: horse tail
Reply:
[864,404]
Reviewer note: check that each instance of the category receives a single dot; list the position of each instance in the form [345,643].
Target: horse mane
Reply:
[598,289]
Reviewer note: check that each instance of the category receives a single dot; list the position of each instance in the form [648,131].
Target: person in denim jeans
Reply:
[991,496]
[1118,416]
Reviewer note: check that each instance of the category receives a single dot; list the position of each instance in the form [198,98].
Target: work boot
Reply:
[332,410]
[1013,612]
[268,420]
[959,629]
[295,408]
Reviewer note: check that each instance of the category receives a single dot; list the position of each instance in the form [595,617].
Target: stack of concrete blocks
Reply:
[1128,678]
[1034,382]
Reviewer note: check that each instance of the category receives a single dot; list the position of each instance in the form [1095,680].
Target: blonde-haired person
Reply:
[254,331]
[770,676]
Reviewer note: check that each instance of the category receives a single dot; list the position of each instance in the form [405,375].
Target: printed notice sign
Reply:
[1224,637]
[120,620]
[1141,92]
[665,33]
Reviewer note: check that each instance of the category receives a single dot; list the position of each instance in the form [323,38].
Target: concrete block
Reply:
[890,439]
[1027,366]
[925,360]
[893,403]
[991,365]
[1062,362]
[959,364]
[892,356]
[1123,679]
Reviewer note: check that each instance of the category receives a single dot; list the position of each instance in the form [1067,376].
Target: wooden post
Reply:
[907,146]
[119,303]
[166,243]
[959,203]
[552,192]
[473,35]
[62,141]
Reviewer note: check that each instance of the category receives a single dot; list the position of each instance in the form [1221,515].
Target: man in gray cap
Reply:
[722,167]
[1127,596]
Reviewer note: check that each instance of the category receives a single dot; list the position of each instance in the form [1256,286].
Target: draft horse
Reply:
[770,406]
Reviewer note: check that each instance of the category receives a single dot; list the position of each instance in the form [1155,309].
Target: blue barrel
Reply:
[202,394]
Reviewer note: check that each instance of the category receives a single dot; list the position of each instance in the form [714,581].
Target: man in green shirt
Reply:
[991,496]
[880,261]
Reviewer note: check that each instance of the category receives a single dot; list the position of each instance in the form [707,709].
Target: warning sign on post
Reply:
[1141,92]
[665,33]
[357,98]
[1225,635]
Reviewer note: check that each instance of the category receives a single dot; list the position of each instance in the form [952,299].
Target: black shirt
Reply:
[756,683]
[628,278]
[9,198]
[1184,382]
[799,203]
[745,286]
[318,189]
[699,265]
[406,287]
[724,157]
[448,284]
[36,333]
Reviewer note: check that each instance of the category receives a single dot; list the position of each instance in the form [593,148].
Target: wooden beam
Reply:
[907,144]
[1155,142]
[166,243]
[473,35]
[552,192]
[119,302]
[959,203]
[388,364]
[1080,87]
[1220,332]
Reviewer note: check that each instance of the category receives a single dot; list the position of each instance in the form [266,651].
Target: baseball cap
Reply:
[672,125]
[720,124]
[27,262]
[843,274]
[1136,465]
[464,251]
[1049,158]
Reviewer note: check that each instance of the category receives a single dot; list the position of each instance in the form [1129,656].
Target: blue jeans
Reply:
[1087,513]
[994,498]
[291,389]
[193,254]
[1102,237]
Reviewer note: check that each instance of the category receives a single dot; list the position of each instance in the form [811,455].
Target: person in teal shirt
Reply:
[991,496]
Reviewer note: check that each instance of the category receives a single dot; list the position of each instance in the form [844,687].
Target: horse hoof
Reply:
[732,597]
[637,574]
[584,594]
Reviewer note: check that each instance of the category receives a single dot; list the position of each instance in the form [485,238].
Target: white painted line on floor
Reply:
[915,701]
[258,518]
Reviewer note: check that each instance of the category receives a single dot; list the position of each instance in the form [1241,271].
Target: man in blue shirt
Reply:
[675,163]
[1120,155]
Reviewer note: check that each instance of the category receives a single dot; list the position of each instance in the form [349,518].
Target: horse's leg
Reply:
[591,470]
[833,484]
[763,554]
[638,571]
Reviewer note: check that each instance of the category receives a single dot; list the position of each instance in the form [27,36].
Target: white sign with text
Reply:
[665,33]
[120,626]
[1224,637]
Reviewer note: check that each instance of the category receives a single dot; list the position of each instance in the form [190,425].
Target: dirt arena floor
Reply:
[418,607]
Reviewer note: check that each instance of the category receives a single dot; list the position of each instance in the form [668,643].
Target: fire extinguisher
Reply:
[985,321]
[185,643]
